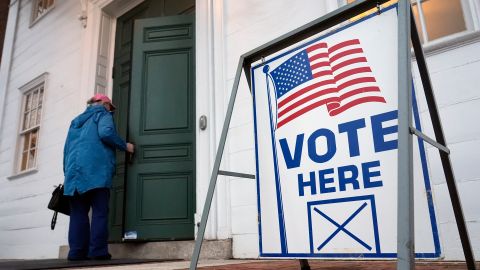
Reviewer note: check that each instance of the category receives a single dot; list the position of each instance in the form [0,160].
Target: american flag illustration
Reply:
[336,76]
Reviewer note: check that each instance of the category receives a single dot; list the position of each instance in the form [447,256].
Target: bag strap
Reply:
[54,220]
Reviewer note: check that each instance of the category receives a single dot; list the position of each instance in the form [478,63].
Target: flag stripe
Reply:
[352,71]
[345,53]
[355,103]
[305,100]
[321,45]
[318,56]
[349,62]
[322,73]
[343,44]
[359,91]
[320,64]
[304,110]
[304,90]
[355,81]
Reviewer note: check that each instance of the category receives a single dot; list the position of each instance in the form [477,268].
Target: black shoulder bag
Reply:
[58,203]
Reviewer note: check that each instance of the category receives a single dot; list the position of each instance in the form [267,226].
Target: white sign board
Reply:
[326,147]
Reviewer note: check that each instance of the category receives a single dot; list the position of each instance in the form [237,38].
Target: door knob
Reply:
[202,122]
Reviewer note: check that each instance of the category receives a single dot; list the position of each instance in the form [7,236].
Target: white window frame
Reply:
[33,17]
[471,15]
[33,85]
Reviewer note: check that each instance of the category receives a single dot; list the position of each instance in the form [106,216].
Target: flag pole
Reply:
[273,128]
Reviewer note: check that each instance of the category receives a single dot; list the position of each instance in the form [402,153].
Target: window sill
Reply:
[22,174]
[453,42]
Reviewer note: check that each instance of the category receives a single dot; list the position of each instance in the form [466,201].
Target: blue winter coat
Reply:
[89,153]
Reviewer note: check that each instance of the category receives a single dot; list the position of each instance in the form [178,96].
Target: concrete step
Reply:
[168,250]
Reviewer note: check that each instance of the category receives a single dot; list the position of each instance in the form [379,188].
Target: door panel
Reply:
[121,92]
[172,85]
[160,181]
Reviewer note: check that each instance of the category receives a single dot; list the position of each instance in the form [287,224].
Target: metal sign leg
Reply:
[216,168]
[405,221]
[304,264]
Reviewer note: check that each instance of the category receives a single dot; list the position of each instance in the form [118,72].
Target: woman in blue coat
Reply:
[89,165]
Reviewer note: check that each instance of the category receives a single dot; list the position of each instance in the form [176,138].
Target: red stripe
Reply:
[355,103]
[352,72]
[345,53]
[306,99]
[304,90]
[317,56]
[349,62]
[344,44]
[359,91]
[322,73]
[319,64]
[304,110]
[317,46]
[355,81]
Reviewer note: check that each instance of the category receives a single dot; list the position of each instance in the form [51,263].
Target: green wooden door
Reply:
[160,181]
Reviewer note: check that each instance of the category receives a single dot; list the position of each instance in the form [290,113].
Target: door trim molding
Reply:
[211,85]
[101,16]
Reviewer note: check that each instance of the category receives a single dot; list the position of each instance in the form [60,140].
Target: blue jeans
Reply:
[85,238]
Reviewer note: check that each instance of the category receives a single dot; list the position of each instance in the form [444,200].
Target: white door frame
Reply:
[97,61]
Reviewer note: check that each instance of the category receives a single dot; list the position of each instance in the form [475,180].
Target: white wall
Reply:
[455,77]
[52,45]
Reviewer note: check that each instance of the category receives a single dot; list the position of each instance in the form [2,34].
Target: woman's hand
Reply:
[130,148]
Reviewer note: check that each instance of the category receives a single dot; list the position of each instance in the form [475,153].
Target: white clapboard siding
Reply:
[52,45]
[454,75]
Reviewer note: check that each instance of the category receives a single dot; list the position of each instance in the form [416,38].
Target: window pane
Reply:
[26,120]
[39,115]
[33,140]
[443,17]
[26,142]
[35,99]
[33,116]
[39,8]
[31,159]
[23,166]
[28,102]
[40,98]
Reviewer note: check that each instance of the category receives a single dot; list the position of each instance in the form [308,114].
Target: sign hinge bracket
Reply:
[429,140]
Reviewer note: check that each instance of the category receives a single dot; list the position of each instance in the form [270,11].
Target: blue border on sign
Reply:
[422,157]
[426,176]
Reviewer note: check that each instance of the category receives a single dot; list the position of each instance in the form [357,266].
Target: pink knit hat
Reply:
[101,97]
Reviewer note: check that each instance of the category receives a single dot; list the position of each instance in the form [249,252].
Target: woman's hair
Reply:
[92,101]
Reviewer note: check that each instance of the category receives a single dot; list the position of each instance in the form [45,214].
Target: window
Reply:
[438,19]
[40,8]
[31,118]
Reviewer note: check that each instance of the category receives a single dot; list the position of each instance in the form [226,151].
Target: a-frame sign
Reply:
[333,106]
